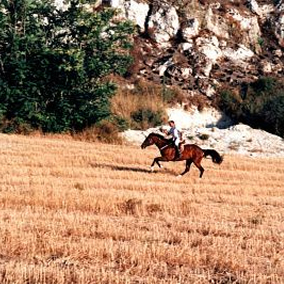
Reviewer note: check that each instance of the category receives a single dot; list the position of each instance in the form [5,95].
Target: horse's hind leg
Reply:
[187,167]
[197,163]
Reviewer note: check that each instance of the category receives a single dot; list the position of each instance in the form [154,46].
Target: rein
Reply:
[162,148]
[167,145]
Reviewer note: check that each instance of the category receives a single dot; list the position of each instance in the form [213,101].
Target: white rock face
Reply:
[249,27]
[186,46]
[191,29]
[61,5]
[246,22]
[280,6]
[236,139]
[189,119]
[165,24]
[132,10]
[216,24]
[262,11]
[241,54]
[136,12]
[266,66]
[266,10]
[162,69]
[116,3]
[209,47]
[279,29]
[253,5]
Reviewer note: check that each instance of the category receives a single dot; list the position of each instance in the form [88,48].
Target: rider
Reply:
[175,133]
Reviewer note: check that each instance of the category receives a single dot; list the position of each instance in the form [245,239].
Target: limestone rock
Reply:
[248,29]
[216,24]
[279,29]
[163,24]
[241,54]
[137,12]
[190,29]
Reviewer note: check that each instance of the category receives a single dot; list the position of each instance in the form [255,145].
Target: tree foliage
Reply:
[259,104]
[53,63]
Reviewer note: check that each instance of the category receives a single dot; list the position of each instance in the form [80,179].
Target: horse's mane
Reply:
[159,135]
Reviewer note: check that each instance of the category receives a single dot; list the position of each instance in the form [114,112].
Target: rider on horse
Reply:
[176,135]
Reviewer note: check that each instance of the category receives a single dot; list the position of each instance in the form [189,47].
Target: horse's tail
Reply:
[216,158]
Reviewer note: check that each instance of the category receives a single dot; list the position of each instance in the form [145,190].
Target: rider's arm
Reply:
[165,131]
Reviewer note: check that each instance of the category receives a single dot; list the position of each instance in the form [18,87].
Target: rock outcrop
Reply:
[210,129]
[199,44]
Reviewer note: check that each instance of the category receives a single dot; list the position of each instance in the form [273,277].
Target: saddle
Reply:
[181,145]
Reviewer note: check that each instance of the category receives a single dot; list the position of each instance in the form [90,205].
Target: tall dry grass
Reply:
[143,94]
[77,212]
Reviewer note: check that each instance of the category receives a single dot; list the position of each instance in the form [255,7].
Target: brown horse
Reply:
[191,153]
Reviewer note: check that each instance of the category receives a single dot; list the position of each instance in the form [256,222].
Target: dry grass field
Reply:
[78,212]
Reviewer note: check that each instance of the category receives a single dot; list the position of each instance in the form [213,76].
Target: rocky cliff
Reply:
[199,45]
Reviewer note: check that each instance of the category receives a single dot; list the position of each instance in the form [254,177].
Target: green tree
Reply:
[53,63]
[260,105]
[273,113]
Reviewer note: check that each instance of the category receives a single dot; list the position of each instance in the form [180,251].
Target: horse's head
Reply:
[150,140]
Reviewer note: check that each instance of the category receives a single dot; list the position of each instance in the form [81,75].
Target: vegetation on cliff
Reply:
[259,104]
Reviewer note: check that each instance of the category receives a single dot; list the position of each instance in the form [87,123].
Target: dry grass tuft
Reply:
[144,95]
[78,212]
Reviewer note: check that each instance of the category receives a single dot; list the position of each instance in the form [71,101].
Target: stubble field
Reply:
[78,212]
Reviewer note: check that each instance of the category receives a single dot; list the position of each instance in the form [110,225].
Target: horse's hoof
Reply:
[179,176]
[161,167]
[152,169]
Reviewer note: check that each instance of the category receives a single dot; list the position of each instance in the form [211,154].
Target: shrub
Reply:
[273,113]
[146,118]
[172,95]
[105,131]
[230,103]
[121,123]
[17,126]
[203,136]
[141,106]
[263,85]
[259,104]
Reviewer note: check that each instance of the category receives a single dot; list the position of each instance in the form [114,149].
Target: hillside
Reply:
[77,212]
[202,45]
[197,49]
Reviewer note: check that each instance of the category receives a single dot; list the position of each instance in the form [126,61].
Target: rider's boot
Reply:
[178,154]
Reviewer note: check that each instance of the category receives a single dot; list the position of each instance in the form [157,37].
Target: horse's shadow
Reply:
[128,168]
[118,168]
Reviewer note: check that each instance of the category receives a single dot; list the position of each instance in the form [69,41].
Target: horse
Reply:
[191,153]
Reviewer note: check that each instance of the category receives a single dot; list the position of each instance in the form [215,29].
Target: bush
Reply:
[263,85]
[146,118]
[259,104]
[203,136]
[15,126]
[141,106]
[105,131]
[230,103]
[121,123]
[273,114]
[172,95]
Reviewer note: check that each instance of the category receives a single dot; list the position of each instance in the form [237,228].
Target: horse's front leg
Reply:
[157,160]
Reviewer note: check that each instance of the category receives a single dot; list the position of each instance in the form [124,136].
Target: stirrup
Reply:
[178,156]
